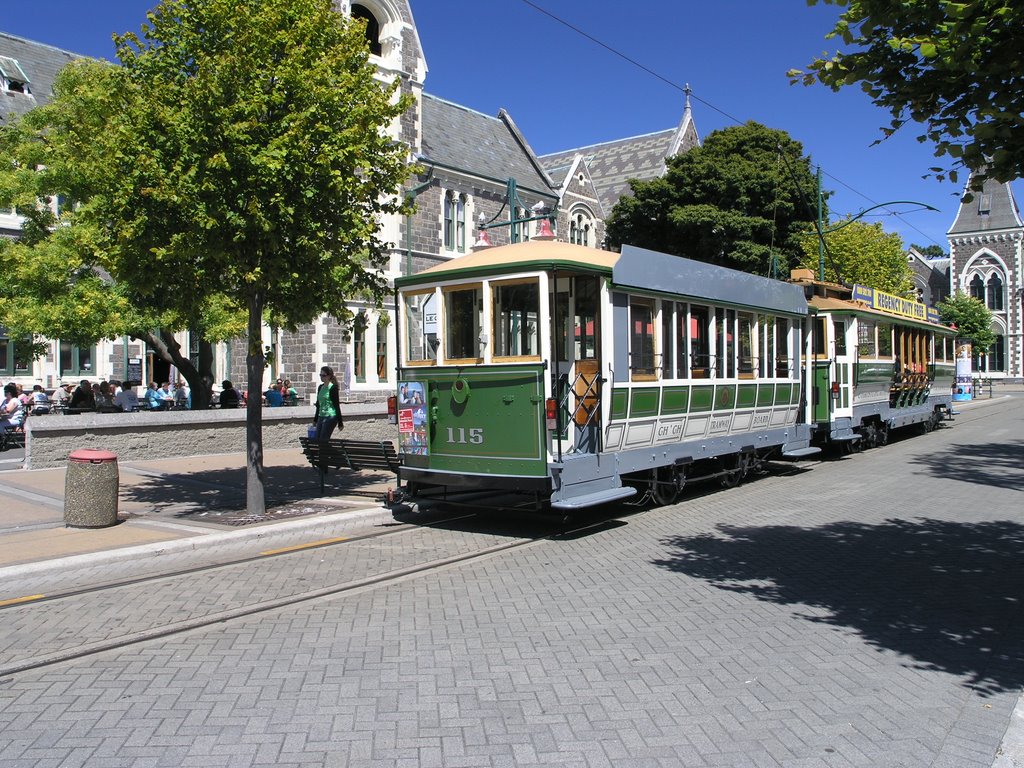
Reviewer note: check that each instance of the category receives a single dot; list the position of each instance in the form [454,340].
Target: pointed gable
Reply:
[474,143]
[612,164]
[993,208]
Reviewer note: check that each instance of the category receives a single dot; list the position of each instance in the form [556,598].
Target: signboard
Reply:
[133,376]
[894,305]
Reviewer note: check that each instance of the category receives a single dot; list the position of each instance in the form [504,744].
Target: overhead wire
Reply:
[688,91]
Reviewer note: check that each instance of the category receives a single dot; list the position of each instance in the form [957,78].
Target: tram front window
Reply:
[462,315]
[516,313]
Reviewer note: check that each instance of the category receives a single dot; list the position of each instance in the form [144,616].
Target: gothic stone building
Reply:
[985,262]
[479,177]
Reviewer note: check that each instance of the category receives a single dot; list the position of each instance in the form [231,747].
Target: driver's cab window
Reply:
[463,317]
[516,313]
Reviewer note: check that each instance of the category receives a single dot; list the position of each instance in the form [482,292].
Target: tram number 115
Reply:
[461,435]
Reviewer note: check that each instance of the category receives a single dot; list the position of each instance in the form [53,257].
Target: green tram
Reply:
[877,362]
[581,376]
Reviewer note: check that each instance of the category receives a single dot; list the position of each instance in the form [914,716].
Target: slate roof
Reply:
[613,163]
[40,63]
[1003,212]
[476,143]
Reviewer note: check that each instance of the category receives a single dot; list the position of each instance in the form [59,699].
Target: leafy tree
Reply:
[742,198]
[972,319]
[952,66]
[238,156]
[930,251]
[862,253]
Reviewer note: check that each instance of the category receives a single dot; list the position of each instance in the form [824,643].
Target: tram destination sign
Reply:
[894,305]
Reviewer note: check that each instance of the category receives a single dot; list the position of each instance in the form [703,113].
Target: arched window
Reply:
[449,221]
[372,28]
[460,224]
[995,294]
[581,227]
[977,288]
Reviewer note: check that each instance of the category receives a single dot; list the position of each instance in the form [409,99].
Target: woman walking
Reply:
[328,411]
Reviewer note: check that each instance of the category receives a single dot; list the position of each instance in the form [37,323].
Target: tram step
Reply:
[593,499]
[799,453]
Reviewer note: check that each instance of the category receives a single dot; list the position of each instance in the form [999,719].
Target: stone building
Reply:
[478,177]
[985,262]
[930,276]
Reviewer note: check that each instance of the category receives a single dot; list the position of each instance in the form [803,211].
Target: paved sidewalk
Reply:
[172,503]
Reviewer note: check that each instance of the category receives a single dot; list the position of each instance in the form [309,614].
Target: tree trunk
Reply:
[200,380]
[255,501]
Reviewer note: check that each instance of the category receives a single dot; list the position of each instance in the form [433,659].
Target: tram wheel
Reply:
[869,435]
[735,470]
[666,483]
[883,434]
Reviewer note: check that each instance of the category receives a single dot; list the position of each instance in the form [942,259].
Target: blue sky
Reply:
[565,91]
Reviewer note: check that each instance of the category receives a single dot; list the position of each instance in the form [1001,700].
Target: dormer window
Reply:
[12,77]
[372,28]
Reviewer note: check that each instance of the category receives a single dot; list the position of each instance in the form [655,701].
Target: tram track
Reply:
[115,637]
[109,638]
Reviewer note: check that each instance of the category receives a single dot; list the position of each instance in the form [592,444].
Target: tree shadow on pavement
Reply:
[945,594]
[996,465]
[188,493]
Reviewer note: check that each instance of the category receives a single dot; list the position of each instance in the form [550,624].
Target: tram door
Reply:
[821,403]
[578,345]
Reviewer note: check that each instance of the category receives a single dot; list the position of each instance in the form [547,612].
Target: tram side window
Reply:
[885,339]
[420,325]
[587,290]
[866,338]
[682,342]
[641,340]
[766,366]
[516,318]
[700,342]
[782,348]
[668,357]
[726,349]
[819,343]
[746,345]
[462,316]
[840,331]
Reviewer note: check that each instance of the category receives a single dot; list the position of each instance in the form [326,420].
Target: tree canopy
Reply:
[239,155]
[743,197]
[953,67]
[862,253]
[932,251]
[972,319]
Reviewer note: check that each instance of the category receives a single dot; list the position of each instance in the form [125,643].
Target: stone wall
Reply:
[144,436]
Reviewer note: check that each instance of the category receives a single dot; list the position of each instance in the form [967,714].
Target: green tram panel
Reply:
[479,420]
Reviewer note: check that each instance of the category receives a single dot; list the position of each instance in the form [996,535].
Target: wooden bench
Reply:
[350,454]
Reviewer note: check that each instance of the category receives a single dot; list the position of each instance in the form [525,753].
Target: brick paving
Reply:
[863,613]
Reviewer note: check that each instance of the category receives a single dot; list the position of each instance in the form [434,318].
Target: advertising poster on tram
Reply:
[412,418]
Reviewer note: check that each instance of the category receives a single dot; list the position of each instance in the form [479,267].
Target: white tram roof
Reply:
[634,268]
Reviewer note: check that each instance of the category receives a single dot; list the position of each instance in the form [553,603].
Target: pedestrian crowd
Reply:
[112,397]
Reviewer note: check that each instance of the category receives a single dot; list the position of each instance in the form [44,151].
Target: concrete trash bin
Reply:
[90,489]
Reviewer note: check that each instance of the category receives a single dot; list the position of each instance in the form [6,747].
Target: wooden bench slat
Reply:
[355,455]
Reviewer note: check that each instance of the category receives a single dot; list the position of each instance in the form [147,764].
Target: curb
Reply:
[188,544]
